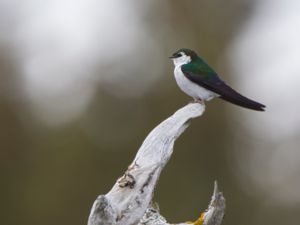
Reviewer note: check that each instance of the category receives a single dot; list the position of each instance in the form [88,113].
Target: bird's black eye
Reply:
[178,54]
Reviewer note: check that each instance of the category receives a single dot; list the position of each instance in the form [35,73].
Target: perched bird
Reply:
[197,79]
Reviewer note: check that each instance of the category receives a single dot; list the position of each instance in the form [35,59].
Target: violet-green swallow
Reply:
[197,79]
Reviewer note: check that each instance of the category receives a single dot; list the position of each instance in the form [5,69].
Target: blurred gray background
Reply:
[83,82]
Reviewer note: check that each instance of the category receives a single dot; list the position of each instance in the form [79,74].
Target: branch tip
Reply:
[216,188]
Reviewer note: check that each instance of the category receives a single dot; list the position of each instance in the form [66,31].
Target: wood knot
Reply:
[127,180]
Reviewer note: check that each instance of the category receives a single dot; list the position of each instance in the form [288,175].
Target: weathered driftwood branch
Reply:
[212,216]
[129,201]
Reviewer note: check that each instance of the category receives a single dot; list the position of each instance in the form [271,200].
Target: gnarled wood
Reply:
[128,202]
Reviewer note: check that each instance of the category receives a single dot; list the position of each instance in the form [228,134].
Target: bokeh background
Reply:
[83,82]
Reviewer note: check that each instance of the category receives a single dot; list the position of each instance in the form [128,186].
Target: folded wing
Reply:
[215,84]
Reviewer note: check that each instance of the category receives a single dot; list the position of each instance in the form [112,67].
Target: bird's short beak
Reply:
[172,57]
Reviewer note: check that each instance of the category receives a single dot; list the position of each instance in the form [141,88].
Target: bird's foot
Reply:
[200,101]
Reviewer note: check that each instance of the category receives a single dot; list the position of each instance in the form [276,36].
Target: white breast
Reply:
[192,89]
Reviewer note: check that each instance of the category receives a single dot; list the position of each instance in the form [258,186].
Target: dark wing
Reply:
[213,83]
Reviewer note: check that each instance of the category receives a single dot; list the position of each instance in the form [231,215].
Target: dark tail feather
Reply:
[244,102]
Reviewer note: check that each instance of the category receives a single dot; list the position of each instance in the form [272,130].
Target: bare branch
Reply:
[212,216]
[129,199]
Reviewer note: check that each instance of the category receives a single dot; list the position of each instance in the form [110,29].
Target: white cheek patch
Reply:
[182,60]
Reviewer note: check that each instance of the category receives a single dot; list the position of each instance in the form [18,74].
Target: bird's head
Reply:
[183,56]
